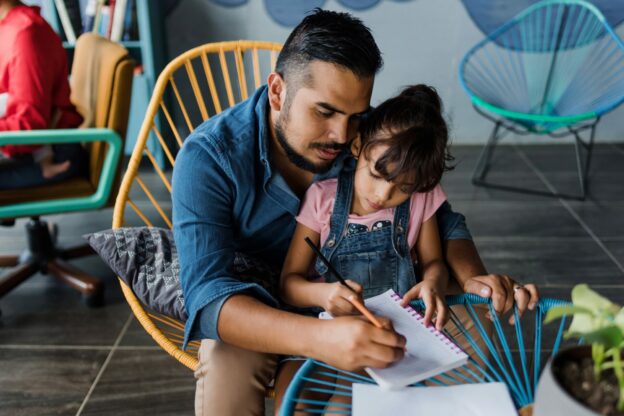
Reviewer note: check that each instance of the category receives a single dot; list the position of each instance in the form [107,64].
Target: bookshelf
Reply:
[149,52]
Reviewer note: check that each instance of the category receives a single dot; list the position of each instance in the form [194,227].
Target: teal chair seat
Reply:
[554,69]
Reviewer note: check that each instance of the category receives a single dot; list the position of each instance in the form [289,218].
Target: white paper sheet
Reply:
[485,399]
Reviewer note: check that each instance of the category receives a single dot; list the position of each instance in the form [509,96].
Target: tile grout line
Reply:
[617,149]
[567,206]
[105,364]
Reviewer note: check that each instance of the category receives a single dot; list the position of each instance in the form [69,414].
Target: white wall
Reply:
[422,41]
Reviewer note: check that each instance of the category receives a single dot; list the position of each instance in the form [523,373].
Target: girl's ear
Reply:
[356,146]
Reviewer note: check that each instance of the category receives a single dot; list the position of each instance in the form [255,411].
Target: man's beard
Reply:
[298,159]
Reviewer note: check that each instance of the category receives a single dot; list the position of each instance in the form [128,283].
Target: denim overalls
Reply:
[378,259]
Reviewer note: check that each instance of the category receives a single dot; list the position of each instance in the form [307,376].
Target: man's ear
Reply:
[356,146]
[277,91]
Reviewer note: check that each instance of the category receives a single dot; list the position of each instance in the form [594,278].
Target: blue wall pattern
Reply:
[290,12]
[487,14]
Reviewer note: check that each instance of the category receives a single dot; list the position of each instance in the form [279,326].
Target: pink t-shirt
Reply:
[316,210]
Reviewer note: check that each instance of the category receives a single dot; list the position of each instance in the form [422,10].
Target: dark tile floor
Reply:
[58,357]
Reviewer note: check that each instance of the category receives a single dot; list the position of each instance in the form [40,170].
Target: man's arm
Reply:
[243,314]
[347,342]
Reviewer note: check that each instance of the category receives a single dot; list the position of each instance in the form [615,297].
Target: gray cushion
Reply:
[147,260]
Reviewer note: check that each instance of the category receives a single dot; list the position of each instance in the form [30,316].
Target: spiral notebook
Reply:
[429,352]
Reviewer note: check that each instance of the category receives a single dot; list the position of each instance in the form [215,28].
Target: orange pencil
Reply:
[358,305]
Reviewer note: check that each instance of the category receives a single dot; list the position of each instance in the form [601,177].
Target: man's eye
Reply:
[325,114]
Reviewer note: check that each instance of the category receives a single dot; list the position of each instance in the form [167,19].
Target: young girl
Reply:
[376,220]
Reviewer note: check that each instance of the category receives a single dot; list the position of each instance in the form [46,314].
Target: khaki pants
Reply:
[232,381]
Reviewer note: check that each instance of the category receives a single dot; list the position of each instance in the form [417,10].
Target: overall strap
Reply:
[339,217]
[399,228]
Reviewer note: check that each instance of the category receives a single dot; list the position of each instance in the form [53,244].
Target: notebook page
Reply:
[429,352]
[485,399]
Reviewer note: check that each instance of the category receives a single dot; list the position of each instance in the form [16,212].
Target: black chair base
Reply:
[501,127]
[44,256]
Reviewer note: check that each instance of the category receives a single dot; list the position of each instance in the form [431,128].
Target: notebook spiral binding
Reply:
[440,335]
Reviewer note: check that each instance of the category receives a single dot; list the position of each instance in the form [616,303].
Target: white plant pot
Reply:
[551,399]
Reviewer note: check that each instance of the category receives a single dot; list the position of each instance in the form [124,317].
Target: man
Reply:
[237,186]
[34,94]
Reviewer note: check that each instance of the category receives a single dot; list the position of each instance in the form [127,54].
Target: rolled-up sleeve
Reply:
[452,224]
[203,197]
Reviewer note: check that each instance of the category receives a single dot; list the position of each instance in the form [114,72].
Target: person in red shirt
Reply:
[34,94]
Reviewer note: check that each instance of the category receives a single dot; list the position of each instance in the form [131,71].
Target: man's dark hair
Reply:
[412,126]
[333,37]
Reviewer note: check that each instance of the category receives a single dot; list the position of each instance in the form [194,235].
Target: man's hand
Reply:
[503,290]
[351,343]
[337,298]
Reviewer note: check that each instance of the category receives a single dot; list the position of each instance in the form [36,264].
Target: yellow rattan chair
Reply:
[193,87]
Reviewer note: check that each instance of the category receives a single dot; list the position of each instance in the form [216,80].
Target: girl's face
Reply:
[371,192]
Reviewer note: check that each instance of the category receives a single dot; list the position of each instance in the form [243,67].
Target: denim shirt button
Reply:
[399,229]
[331,243]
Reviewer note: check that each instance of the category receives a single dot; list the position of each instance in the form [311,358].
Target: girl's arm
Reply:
[297,290]
[434,274]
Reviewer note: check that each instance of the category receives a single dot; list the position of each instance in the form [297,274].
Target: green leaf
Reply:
[619,319]
[557,312]
[584,297]
[610,336]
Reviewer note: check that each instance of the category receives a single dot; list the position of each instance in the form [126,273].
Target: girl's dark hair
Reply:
[411,124]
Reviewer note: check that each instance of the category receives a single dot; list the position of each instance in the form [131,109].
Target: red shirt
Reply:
[33,71]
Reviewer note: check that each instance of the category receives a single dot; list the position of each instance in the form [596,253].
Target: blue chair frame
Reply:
[554,69]
[519,370]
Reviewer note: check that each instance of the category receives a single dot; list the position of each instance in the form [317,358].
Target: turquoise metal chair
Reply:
[109,96]
[514,355]
[554,69]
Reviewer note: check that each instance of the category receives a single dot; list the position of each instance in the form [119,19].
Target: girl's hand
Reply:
[433,295]
[337,298]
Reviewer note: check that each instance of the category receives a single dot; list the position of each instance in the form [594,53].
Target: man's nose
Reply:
[339,130]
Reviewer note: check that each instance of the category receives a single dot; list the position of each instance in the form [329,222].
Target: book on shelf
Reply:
[113,19]
[69,15]
[111,13]
[90,12]
[130,27]
[118,20]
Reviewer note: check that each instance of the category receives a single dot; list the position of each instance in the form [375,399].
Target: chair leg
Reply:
[76,252]
[16,276]
[9,261]
[583,165]
[483,166]
[484,162]
[74,277]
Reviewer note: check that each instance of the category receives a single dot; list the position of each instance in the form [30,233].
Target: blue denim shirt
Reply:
[226,199]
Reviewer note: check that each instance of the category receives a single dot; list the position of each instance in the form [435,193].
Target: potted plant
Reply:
[588,379]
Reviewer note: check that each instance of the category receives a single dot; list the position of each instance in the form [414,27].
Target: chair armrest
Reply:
[94,201]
